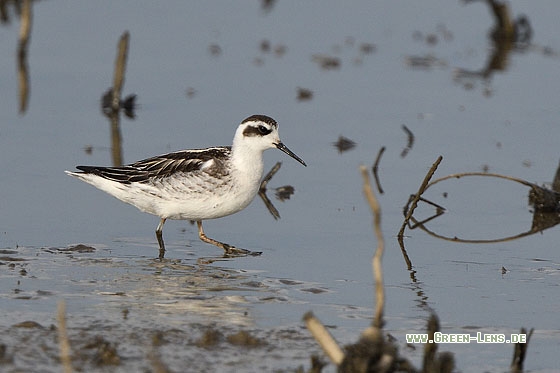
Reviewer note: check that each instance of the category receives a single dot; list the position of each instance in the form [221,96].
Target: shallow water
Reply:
[317,256]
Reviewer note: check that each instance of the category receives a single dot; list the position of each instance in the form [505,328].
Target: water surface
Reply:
[198,69]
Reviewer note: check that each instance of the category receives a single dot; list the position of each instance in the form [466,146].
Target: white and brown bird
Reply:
[195,184]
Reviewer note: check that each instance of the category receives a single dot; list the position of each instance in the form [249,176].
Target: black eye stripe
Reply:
[259,130]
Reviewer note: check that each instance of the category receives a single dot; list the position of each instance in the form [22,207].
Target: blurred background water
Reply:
[200,68]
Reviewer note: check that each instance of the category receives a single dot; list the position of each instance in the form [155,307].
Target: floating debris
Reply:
[267,5]
[410,141]
[326,62]
[424,62]
[215,50]
[344,144]
[368,48]
[304,94]
[128,105]
[80,248]
[280,50]
[431,39]
[265,46]
[284,192]
[190,92]
[107,101]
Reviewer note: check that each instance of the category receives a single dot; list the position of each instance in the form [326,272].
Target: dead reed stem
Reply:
[63,342]
[376,262]
[324,338]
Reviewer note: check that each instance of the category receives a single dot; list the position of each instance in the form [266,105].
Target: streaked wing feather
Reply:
[160,166]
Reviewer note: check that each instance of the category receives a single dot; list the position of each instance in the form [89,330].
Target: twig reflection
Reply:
[23,70]
[546,204]
[409,141]
[439,211]
[262,191]
[413,204]
[111,100]
[282,193]
[376,167]
[344,144]
[417,196]
[506,35]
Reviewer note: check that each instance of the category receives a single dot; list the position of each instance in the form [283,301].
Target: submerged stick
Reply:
[376,262]
[325,339]
[63,342]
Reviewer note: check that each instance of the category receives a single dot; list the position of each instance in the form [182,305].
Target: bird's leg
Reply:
[159,237]
[205,238]
[229,250]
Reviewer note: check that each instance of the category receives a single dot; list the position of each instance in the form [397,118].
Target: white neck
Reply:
[248,162]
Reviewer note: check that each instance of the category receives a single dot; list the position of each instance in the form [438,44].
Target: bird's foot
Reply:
[232,251]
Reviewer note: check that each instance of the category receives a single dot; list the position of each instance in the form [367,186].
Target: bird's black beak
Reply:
[285,149]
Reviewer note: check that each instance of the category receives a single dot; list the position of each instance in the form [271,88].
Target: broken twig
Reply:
[418,195]
[324,338]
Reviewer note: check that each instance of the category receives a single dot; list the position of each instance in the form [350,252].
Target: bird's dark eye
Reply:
[263,130]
